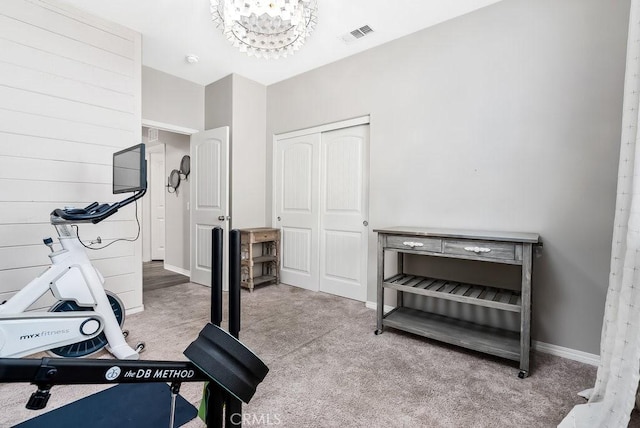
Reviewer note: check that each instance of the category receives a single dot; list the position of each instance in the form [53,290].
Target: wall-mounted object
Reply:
[173,182]
[185,167]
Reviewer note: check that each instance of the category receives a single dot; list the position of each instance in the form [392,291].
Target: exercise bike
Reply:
[85,317]
[232,370]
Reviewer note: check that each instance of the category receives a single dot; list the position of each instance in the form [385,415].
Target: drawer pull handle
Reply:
[477,250]
[413,244]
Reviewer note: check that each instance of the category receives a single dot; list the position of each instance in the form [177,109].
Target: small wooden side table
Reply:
[262,266]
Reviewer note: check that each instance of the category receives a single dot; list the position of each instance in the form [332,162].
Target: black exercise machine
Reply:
[232,370]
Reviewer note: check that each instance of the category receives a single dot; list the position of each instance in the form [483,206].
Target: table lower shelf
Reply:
[490,340]
[259,280]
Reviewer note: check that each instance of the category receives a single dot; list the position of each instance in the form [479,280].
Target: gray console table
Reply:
[495,247]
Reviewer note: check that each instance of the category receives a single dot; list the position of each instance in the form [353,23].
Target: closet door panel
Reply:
[297,209]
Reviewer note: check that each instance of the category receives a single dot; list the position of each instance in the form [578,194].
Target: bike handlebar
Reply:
[93,212]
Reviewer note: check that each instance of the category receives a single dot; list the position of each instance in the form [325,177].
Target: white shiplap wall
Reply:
[69,98]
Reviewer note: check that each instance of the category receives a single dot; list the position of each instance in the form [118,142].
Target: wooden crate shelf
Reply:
[263,266]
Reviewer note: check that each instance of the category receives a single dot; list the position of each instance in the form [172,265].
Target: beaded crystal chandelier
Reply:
[265,28]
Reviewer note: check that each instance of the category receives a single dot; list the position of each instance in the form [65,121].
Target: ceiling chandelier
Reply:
[265,28]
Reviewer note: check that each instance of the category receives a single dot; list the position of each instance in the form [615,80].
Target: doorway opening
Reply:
[165,210]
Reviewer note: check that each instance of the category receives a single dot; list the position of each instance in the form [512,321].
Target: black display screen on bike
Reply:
[129,170]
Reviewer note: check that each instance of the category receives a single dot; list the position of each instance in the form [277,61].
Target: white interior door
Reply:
[157,190]
[209,181]
[296,208]
[344,212]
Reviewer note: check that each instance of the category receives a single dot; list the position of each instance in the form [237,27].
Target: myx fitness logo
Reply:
[44,333]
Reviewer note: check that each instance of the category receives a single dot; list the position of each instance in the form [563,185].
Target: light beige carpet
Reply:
[328,369]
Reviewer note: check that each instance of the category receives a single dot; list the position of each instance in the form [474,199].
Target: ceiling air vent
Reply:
[356,34]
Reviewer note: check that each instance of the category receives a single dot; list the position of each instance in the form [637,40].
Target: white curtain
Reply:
[612,399]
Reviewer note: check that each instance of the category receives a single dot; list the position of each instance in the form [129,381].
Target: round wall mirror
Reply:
[174,181]
[185,166]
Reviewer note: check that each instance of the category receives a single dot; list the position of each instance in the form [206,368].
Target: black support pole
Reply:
[215,395]
[233,413]
[234,283]
[216,276]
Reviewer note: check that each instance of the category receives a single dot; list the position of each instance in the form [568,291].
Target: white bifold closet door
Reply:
[321,191]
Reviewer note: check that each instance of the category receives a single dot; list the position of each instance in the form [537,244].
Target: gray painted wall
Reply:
[248,166]
[240,103]
[507,118]
[218,103]
[233,101]
[172,100]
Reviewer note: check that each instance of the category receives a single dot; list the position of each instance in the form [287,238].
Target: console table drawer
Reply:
[260,234]
[433,245]
[481,249]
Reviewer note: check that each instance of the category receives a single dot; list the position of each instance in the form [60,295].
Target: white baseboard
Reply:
[373,305]
[135,310]
[176,269]
[568,353]
[547,348]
